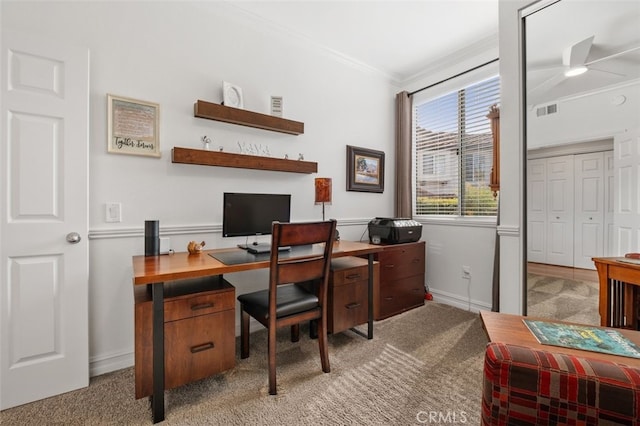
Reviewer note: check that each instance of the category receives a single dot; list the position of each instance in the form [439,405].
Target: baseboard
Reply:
[458,301]
[109,363]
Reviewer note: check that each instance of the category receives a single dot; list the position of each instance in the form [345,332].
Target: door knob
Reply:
[73,238]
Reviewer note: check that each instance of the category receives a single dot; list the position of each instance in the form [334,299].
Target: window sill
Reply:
[477,222]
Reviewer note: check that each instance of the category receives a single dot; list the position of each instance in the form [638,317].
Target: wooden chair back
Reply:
[309,268]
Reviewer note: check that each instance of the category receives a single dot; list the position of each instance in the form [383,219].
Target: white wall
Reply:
[510,230]
[586,117]
[450,246]
[174,53]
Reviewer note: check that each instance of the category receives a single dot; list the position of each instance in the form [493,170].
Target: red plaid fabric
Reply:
[523,386]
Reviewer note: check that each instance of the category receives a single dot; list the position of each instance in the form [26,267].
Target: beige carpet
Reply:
[563,299]
[427,361]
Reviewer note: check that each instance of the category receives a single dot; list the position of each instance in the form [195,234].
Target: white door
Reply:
[560,210]
[43,161]
[626,147]
[536,210]
[589,209]
[609,204]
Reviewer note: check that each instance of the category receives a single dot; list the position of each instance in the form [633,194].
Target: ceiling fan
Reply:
[574,63]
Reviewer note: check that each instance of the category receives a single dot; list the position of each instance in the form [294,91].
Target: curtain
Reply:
[403,202]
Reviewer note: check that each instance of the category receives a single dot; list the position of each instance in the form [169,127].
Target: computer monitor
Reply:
[245,214]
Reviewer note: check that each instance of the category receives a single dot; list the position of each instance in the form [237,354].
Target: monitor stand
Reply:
[265,248]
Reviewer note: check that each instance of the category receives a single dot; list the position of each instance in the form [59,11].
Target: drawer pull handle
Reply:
[388,298]
[415,260]
[390,265]
[352,305]
[353,276]
[201,306]
[200,348]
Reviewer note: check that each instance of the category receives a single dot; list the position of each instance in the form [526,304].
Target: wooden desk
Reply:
[619,292]
[510,329]
[155,270]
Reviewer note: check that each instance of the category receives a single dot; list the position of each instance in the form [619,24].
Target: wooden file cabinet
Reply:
[199,328]
[401,283]
[348,293]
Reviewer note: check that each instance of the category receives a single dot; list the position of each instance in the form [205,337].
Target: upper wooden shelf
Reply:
[241,161]
[211,111]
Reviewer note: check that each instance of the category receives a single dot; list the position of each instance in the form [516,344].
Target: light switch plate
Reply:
[113,212]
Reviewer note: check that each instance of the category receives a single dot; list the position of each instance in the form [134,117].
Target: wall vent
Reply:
[546,110]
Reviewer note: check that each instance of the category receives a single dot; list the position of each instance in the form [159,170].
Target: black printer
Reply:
[387,230]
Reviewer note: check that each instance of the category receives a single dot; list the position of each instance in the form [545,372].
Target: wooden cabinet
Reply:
[348,293]
[199,328]
[401,285]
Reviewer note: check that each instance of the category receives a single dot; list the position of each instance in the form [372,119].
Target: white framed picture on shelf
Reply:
[276,106]
[232,95]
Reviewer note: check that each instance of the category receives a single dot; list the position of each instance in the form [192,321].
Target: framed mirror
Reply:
[582,103]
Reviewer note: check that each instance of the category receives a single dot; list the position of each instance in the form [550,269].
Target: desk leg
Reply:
[370,322]
[157,398]
[605,294]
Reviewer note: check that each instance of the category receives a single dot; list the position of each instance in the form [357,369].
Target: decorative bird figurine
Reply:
[194,247]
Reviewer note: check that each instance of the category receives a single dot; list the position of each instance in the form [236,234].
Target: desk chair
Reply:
[285,303]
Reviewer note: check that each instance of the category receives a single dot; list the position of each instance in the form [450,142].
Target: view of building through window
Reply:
[453,152]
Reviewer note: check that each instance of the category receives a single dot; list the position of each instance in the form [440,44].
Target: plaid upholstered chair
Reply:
[524,386]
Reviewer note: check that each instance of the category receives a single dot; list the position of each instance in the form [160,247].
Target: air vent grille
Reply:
[546,110]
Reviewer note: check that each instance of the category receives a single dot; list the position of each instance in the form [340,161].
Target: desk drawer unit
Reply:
[348,293]
[401,286]
[199,332]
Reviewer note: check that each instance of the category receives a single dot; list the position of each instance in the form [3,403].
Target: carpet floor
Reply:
[563,299]
[424,362]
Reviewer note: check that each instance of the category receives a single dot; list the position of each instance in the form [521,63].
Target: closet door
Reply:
[626,150]
[536,210]
[589,209]
[560,210]
[609,205]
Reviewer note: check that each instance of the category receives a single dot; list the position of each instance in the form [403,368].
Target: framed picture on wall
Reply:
[132,126]
[365,170]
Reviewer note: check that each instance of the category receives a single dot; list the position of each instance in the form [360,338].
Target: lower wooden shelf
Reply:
[240,161]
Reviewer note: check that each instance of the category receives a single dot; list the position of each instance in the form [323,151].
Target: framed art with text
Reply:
[132,126]
[365,169]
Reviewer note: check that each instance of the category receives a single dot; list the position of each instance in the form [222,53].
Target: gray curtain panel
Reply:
[403,202]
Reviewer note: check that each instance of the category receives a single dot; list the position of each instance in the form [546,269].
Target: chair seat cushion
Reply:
[291,300]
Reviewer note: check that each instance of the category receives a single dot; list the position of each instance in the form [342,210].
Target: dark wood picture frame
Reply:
[365,169]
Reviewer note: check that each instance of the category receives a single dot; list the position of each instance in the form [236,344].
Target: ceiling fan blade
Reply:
[608,72]
[546,84]
[576,54]
[604,58]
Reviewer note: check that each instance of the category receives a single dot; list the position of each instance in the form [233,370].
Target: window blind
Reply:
[453,149]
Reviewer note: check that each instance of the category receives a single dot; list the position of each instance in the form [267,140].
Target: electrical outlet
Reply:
[466,271]
[165,245]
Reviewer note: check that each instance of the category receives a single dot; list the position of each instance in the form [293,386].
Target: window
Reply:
[453,149]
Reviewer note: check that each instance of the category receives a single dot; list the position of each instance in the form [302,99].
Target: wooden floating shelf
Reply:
[211,111]
[240,161]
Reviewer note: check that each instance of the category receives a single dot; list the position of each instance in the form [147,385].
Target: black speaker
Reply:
[151,238]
